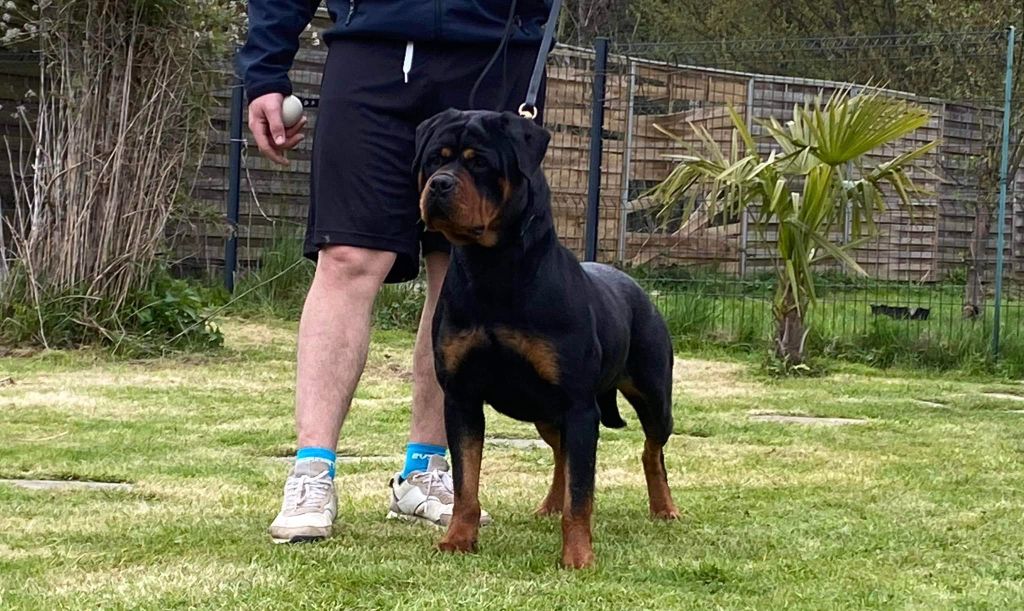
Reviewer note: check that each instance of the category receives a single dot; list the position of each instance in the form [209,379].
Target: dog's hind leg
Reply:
[649,391]
[553,502]
[653,457]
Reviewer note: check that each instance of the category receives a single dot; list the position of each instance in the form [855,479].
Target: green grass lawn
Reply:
[921,507]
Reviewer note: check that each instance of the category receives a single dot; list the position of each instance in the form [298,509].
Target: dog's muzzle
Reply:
[440,190]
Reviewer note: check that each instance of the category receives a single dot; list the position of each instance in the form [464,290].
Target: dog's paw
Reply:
[548,509]
[457,545]
[577,558]
[669,513]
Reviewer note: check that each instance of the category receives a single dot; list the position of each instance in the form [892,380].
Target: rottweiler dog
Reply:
[523,326]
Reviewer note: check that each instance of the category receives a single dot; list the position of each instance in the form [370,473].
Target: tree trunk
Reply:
[974,290]
[977,264]
[790,331]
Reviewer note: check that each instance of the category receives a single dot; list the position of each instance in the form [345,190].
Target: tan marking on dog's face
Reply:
[472,216]
[506,190]
[538,352]
[446,152]
[468,154]
[456,346]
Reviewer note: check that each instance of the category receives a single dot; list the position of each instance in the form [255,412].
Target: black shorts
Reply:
[363,191]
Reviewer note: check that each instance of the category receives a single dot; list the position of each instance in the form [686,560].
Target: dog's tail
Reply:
[610,416]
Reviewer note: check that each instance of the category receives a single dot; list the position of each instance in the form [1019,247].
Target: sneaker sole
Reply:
[394,515]
[303,535]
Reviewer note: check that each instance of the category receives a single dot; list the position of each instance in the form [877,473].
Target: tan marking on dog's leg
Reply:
[658,493]
[465,525]
[577,544]
[555,498]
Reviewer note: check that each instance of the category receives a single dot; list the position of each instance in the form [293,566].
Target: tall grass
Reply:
[104,144]
[716,311]
[277,288]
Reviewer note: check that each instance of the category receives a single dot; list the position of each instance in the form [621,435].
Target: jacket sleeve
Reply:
[273,40]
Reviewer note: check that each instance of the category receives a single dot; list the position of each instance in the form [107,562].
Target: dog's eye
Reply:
[475,162]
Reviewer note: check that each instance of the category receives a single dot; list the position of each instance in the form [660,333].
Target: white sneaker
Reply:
[427,496]
[309,506]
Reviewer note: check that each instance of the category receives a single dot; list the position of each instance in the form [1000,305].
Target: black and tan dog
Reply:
[523,326]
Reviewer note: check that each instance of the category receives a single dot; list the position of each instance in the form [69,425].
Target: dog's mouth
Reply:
[461,236]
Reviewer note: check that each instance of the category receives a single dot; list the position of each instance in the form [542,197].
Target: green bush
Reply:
[168,314]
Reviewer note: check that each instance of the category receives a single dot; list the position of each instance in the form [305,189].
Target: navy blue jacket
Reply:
[275,26]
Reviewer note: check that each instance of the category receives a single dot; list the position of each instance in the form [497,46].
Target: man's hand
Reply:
[267,127]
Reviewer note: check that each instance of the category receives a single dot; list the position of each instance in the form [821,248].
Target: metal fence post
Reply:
[234,186]
[627,161]
[1003,163]
[596,127]
[744,220]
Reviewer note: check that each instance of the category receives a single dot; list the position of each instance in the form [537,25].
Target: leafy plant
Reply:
[804,188]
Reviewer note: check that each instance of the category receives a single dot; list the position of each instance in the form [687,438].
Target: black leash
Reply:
[528,109]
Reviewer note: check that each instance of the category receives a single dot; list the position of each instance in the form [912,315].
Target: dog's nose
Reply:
[442,184]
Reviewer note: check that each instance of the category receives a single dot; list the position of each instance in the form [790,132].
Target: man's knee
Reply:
[353,266]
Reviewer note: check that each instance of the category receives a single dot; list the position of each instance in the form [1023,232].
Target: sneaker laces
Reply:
[302,491]
[439,480]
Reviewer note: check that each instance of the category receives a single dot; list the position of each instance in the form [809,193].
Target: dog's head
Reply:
[474,170]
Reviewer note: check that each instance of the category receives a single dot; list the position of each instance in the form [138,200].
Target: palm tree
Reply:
[805,187]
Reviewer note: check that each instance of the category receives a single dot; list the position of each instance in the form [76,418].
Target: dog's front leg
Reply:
[464,425]
[579,441]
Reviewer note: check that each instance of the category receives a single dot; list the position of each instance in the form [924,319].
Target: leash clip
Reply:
[527,111]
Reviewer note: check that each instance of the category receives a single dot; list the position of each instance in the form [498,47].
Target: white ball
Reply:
[291,111]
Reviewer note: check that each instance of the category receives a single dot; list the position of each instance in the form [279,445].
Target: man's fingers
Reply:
[294,129]
[260,133]
[277,130]
[293,141]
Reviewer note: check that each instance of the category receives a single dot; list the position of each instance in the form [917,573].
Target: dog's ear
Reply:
[425,133]
[529,141]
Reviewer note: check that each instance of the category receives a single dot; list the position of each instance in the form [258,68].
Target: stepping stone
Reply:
[1015,411]
[806,420]
[934,404]
[55,484]
[519,444]
[1002,395]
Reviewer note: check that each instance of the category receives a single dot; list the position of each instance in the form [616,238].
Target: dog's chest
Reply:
[510,368]
[500,348]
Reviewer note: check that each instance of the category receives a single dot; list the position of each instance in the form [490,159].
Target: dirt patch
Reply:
[48,399]
[712,380]
[74,485]
[519,444]
[932,404]
[240,334]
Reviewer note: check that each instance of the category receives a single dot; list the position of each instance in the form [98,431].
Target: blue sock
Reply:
[417,456]
[319,454]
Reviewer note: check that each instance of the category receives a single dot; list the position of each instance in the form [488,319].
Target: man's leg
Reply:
[423,490]
[334,335]
[427,425]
